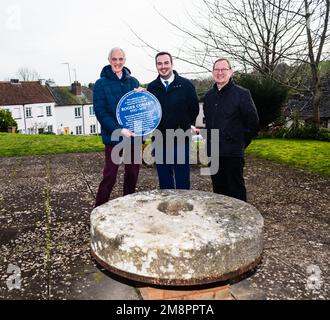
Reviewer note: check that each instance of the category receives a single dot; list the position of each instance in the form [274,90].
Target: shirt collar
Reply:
[170,79]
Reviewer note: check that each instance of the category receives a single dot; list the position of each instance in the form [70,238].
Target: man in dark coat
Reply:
[230,109]
[114,83]
[180,107]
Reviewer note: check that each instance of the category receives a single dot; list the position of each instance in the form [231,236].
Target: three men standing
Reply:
[228,108]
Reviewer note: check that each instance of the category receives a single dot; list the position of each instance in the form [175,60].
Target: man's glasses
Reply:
[117,59]
[221,70]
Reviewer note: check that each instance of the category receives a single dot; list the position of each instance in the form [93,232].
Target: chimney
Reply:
[76,88]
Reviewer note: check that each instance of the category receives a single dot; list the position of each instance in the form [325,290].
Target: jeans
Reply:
[173,175]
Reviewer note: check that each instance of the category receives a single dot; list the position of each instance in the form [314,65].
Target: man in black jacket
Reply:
[230,109]
[180,108]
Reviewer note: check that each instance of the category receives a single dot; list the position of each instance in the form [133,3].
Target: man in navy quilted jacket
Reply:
[114,83]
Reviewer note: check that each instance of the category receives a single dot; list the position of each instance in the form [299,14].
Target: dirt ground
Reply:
[46,201]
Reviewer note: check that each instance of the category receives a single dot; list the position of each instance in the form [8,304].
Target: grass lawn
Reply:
[14,145]
[310,155]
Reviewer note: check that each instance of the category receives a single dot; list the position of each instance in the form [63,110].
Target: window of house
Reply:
[78,130]
[77,112]
[17,113]
[48,111]
[91,111]
[50,128]
[40,111]
[93,128]
[28,112]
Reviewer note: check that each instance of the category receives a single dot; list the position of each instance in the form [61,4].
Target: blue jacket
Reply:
[179,103]
[232,111]
[107,92]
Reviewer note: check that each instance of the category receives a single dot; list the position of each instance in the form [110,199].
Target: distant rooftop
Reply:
[15,92]
[63,96]
[304,104]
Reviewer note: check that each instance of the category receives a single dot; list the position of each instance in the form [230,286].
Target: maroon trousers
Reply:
[110,175]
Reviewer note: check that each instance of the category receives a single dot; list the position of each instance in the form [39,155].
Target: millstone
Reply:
[177,237]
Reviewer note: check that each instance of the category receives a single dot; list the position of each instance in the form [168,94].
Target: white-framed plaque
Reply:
[139,112]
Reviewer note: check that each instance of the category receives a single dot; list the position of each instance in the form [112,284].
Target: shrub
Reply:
[48,133]
[6,120]
[324,134]
[267,95]
[297,131]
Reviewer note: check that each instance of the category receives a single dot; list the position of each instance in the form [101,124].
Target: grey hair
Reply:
[222,59]
[116,49]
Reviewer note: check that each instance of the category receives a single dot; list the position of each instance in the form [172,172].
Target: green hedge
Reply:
[267,95]
[308,132]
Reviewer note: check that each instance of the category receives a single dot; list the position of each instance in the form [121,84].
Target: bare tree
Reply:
[26,74]
[260,35]
[257,34]
[317,24]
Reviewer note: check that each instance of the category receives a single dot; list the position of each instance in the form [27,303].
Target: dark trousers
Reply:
[229,179]
[110,175]
[175,175]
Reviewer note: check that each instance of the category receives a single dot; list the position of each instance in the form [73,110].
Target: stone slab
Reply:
[176,237]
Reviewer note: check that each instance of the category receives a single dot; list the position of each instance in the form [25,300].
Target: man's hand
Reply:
[195,130]
[127,133]
[140,89]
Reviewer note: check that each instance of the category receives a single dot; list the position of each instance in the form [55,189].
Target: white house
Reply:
[74,110]
[31,105]
[39,108]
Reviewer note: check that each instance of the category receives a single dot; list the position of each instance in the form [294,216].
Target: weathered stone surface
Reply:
[176,236]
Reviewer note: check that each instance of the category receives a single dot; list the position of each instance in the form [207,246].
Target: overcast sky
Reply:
[43,34]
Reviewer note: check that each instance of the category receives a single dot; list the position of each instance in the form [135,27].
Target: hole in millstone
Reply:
[174,207]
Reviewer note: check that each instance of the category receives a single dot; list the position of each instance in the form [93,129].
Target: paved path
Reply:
[45,203]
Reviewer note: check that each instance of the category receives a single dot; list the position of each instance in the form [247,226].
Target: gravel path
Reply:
[45,203]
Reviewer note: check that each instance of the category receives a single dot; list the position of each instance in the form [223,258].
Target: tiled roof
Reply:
[88,93]
[26,92]
[304,107]
[64,97]
[304,104]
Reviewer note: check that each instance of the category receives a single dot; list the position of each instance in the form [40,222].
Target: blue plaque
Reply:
[139,112]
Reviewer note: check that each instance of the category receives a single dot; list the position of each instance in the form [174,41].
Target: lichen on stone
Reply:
[171,234]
